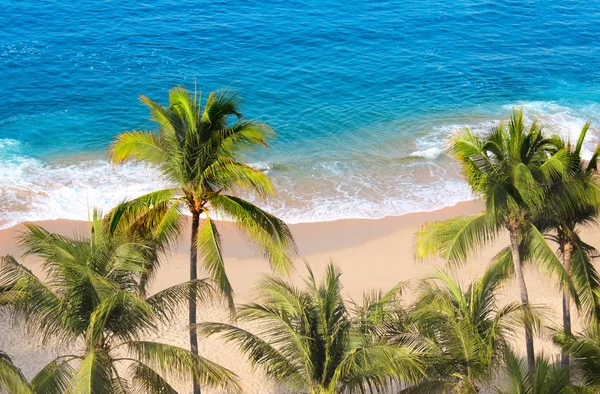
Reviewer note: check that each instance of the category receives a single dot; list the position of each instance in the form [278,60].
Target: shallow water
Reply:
[363,95]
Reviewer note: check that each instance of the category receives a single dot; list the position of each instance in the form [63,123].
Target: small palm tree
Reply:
[91,296]
[467,331]
[308,339]
[563,227]
[198,150]
[511,168]
[545,378]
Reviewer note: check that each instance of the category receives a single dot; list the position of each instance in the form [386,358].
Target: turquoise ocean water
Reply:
[363,95]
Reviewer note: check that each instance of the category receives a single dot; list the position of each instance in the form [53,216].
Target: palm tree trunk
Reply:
[566,302]
[514,246]
[193,276]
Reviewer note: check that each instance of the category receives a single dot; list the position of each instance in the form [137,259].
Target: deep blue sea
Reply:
[363,94]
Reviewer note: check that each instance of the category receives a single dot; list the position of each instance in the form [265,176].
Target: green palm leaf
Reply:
[456,239]
[94,375]
[166,303]
[173,361]
[54,378]
[149,206]
[547,260]
[209,245]
[30,299]
[260,353]
[140,145]
[11,378]
[147,380]
[269,233]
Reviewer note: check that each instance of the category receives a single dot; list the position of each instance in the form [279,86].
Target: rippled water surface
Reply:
[363,95]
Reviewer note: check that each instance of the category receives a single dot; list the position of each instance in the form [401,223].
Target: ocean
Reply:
[363,95]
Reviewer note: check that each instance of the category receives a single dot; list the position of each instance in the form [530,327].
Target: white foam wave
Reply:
[429,154]
[563,120]
[33,190]
[308,191]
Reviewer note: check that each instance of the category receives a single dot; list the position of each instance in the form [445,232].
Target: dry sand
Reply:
[371,254]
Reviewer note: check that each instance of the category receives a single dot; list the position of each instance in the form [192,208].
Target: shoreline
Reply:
[377,226]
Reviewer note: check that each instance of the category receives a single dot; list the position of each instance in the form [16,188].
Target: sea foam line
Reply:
[33,190]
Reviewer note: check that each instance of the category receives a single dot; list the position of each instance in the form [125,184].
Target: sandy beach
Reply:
[371,254]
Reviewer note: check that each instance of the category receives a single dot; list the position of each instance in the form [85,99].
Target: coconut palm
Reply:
[545,378]
[91,301]
[563,227]
[467,330]
[307,339]
[198,151]
[511,168]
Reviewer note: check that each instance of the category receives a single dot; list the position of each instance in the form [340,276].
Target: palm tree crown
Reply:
[92,297]
[468,333]
[199,152]
[309,340]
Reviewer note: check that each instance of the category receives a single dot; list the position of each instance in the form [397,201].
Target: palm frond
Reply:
[456,239]
[373,365]
[209,248]
[167,303]
[54,378]
[11,377]
[149,206]
[585,353]
[173,361]
[586,278]
[28,298]
[544,256]
[260,353]
[94,374]
[138,146]
[122,314]
[271,234]
[147,380]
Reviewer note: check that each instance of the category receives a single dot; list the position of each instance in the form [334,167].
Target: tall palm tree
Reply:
[199,152]
[468,332]
[563,227]
[511,168]
[307,338]
[91,297]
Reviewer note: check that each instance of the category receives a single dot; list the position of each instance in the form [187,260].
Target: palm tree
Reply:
[562,226]
[198,151]
[307,338]
[545,378]
[511,168]
[91,296]
[467,331]
[11,377]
